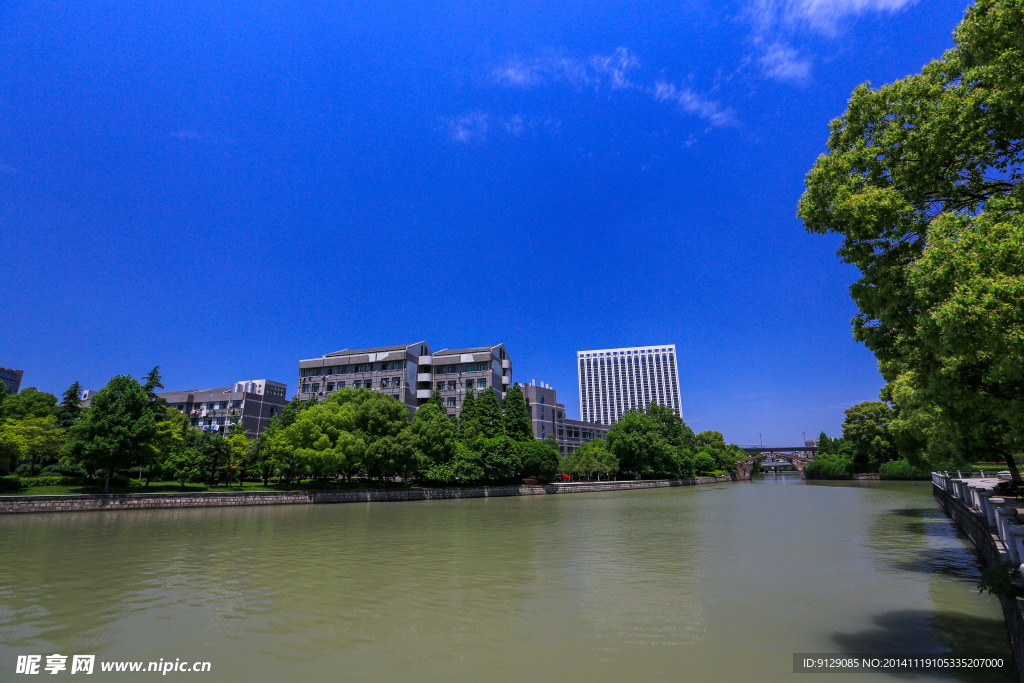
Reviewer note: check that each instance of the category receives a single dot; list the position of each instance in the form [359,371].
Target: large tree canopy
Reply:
[922,180]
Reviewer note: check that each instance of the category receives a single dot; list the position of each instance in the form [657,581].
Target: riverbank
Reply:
[143,501]
[993,551]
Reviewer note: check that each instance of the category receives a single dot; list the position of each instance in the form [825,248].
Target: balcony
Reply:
[506,380]
[423,393]
[425,360]
[424,377]
[506,364]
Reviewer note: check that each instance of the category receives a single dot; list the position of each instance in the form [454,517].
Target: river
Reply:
[716,582]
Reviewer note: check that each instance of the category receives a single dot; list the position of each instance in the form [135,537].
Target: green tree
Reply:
[922,180]
[34,440]
[185,465]
[538,460]
[117,431]
[704,463]
[29,402]
[391,456]
[500,458]
[217,451]
[151,383]
[434,434]
[488,414]
[70,407]
[381,415]
[517,424]
[867,429]
[639,444]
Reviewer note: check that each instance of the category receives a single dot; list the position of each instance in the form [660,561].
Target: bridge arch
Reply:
[745,468]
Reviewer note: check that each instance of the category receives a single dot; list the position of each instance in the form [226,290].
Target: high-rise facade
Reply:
[11,379]
[613,381]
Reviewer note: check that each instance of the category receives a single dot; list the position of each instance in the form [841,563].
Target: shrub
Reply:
[901,469]
[839,468]
[704,463]
[53,481]
[10,483]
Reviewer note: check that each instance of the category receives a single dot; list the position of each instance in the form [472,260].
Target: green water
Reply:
[719,582]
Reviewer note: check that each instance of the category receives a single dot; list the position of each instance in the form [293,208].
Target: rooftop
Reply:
[378,349]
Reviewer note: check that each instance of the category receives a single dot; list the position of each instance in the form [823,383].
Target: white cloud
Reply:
[775,22]
[615,67]
[466,128]
[825,15]
[783,63]
[693,103]
[610,69]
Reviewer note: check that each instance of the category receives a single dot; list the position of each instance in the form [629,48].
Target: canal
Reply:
[715,582]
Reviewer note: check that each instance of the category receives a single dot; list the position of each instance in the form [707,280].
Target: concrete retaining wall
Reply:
[137,501]
[993,551]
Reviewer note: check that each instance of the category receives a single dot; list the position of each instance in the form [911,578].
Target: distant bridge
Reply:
[779,449]
[744,468]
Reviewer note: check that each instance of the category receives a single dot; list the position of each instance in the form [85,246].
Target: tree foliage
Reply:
[117,430]
[517,424]
[922,181]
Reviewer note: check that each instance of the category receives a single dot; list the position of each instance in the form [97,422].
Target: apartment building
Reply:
[613,381]
[255,402]
[547,416]
[409,372]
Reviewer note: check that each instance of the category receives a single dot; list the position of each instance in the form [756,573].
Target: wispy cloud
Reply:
[610,70]
[192,135]
[613,72]
[783,63]
[478,126]
[776,23]
[692,103]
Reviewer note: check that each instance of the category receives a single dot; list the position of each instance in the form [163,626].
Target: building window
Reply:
[341,385]
[316,387]
[384,383]
[236,404]
[451,385]
[358,384]
[480,383]
[305,388]
[273,410]
[451,402]
[440,386]
[330,386]
[396,382]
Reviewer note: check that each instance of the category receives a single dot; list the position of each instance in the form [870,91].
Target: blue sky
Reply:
[222,189]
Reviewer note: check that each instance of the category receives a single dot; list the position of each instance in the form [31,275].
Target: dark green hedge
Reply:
[901,469]
[840,468]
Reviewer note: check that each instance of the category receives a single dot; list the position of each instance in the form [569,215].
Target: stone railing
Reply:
[992,525]
[140,501]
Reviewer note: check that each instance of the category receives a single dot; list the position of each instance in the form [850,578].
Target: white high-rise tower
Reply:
[613,381]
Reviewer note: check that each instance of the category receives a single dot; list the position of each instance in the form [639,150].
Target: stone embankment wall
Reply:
[138,501]
[993,551]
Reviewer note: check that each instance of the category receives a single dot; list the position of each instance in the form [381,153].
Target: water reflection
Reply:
[607,586]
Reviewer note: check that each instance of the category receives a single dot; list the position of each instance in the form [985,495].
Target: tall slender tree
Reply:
[151,383]
[488,414]
[70,407]
[516,418]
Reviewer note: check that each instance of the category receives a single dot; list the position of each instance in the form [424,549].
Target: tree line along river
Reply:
[714,582]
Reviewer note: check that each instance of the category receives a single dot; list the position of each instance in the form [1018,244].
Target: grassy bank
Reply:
[175,487]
